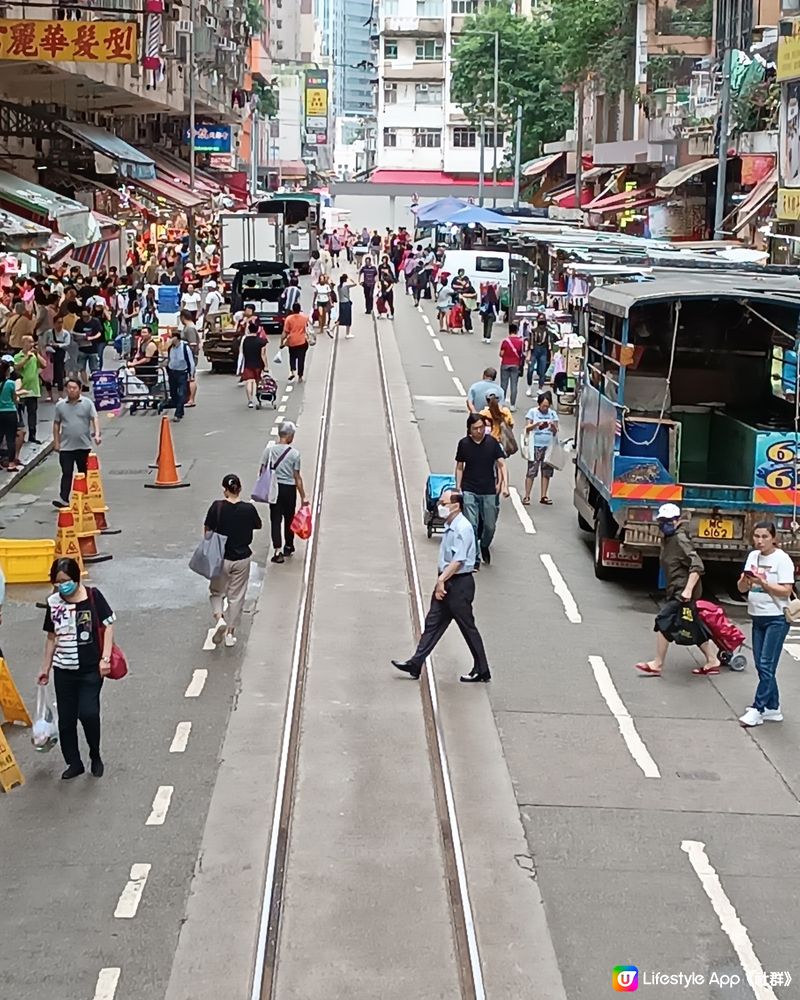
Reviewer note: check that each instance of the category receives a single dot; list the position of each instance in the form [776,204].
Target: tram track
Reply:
[464,936]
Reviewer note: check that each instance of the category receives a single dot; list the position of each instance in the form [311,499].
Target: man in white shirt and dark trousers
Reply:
[180,369]
[453,595]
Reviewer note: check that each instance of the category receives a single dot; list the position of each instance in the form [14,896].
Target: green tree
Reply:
[596,38]
[529,75]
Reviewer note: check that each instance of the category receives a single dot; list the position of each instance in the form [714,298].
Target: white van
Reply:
[480,266]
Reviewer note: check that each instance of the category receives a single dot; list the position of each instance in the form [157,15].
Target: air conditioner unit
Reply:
[184,27]
[210,22]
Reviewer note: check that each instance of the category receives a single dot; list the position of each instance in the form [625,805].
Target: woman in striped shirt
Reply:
[80,634]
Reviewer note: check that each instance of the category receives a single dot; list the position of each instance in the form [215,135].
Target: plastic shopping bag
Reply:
[209,555]
[277,360]
[44,734]
[555,456]
[301,522]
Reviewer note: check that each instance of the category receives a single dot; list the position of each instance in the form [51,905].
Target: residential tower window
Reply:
[390,93]
[464,138]
[429,93]
[464,6]
[488,138]
[428,138]
[390,48]
[430,50]
[390,137]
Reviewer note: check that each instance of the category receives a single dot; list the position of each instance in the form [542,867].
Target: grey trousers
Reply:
[230,583]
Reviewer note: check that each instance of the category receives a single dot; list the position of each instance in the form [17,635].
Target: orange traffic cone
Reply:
[86,527]
[67,546]
[167,477]
[96,495]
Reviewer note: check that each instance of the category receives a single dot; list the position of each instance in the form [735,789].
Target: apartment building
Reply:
[419,128]
[292,43]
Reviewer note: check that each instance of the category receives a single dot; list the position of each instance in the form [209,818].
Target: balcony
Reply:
[682,27]
[421,69]
[413,27]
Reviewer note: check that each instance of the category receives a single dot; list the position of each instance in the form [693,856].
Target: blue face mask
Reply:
[68,588]
[668,528]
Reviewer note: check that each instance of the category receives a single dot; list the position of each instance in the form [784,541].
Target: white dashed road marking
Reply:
[107,981]
[792,650]
[181,737]
[561,589]
[438,345]
[196,684]
[459,386]
[525,518]
[132,893]
[273,432]
[160,807]
[447,363]
[728,919]
[281,409]
[628,731]
[288,388]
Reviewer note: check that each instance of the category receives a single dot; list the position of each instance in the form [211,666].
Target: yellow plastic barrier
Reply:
[26,560]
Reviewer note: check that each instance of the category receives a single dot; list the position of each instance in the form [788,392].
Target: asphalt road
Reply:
[637,807]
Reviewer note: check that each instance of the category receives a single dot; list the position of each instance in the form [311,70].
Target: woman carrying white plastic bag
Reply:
[44,734]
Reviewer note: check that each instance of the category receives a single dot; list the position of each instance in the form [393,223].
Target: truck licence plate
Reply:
[715,527]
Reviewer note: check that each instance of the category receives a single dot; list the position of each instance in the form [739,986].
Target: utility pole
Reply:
[517,156]
[481,167]
[496,101]
[192,130]
[724,118]
[255,140]
[579,99]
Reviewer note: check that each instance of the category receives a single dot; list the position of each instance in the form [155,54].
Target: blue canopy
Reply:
[439,210]
[477,216]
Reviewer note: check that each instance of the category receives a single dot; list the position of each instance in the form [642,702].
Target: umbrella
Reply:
[472,215]
[438,211]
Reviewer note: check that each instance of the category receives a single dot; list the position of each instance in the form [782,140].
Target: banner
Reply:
[789,54]
[69,41]
[316,106]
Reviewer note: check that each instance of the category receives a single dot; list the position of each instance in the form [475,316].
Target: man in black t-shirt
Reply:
[88,335]
[481,476]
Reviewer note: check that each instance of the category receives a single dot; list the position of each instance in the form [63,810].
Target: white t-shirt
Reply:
[190,301]
[775,568]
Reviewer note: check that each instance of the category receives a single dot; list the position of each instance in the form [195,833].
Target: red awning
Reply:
[420,177]
[622,201]
[567,198]
[169,192]
[642,202]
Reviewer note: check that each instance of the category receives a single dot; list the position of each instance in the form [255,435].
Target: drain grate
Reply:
[698,775]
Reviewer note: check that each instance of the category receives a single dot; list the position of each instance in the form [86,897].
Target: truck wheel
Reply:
[604,528]
[216,368]
[584,525]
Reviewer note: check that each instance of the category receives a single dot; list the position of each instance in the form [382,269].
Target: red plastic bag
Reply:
[301,522]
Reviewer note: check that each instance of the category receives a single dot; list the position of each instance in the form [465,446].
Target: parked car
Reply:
[260,282]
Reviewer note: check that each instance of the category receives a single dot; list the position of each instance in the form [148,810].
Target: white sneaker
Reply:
[513,409]
[752,717]
[251,404]
[230,640]
[772,715]
[218,632]
[349,336]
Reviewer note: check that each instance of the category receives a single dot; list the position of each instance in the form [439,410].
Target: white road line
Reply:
[181,737]
[437,344]
[431,331]
[633,740]
[196,684]
[132,893]
[284,397]
[107,981]
[522,514]
[273,432]
[792,650]
[447,363]
[281,409]
[160,807]
[288,388]
[459,386]
[561,589]
[728,919]
[278,420]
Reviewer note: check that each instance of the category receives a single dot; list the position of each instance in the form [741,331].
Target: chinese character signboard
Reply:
[316,106]
[789,55]
[69,41]
[211,138]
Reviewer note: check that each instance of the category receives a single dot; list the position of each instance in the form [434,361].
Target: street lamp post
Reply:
[496,97]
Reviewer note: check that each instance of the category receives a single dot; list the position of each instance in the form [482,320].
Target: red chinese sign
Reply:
[69,41]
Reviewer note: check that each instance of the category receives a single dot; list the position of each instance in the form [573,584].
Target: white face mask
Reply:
[444,512]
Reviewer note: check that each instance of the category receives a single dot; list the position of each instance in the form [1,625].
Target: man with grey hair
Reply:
[284,460]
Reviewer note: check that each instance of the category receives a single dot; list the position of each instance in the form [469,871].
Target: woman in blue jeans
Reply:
[768,580]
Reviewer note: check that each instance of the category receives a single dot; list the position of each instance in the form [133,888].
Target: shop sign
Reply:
[211,138]
[755,167]
[789,136]
[316,106]
[776,456]
[221,161]
[789,55]
[788,204]
[69,41]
